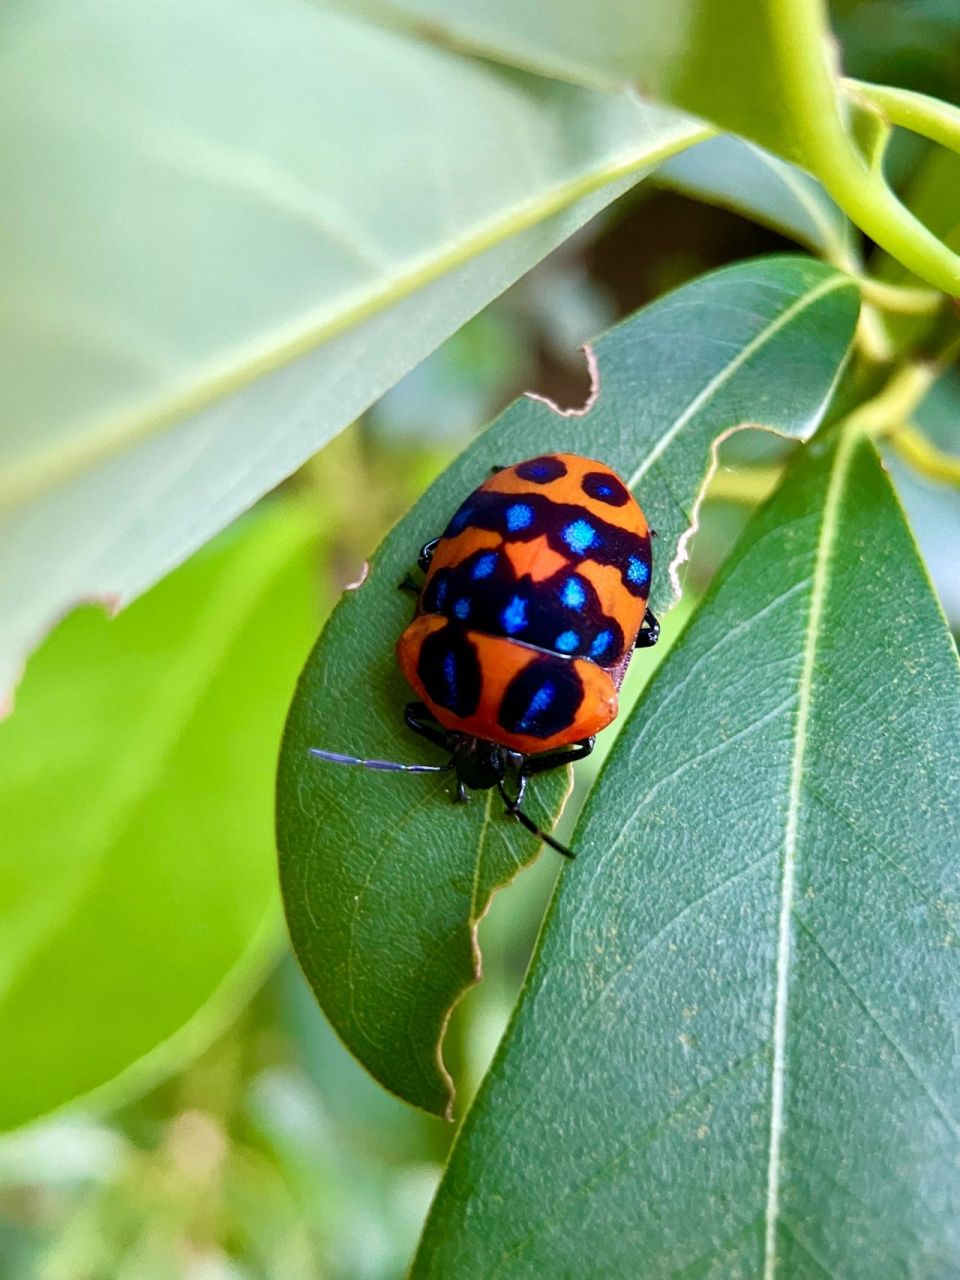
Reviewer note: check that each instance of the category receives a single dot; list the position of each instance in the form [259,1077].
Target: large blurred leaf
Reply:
[736,1053]
[383,879]
[137,899]
[227,227]
[764,70]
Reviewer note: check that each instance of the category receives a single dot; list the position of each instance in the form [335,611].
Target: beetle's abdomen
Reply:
[497,689]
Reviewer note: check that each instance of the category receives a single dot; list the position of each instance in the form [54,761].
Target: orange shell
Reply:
[539,561]
[500,661]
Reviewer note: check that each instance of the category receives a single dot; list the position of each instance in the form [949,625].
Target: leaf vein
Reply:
[726,373]
[818,588]
[932,1096]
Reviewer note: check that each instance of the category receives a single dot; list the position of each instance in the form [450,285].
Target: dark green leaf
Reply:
[384,880]
[137,888]
[738,1041]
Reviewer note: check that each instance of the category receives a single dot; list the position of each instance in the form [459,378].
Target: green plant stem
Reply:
[923,455]
[799,35]
[901,299]
[938,121]
[889,415]
[896,403]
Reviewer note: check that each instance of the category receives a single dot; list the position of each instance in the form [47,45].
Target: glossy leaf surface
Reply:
[383,878]
[211,265]
[737,1041]
[137,884]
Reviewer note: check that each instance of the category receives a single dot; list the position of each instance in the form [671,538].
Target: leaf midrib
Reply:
[819,583]
[719,379]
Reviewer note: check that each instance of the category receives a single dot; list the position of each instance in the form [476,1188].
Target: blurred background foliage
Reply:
[249,1145]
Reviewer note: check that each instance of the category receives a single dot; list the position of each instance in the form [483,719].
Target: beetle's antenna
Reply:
[386,766]
[514,809]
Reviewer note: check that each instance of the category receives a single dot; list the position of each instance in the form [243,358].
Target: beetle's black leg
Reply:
[495,470]
[649,631]
[461,796]
[419,719]
[426,554]
[521,788]
[568,755]
[408,584]
[514,811]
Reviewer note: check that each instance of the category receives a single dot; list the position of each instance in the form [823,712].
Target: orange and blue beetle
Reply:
[534,598]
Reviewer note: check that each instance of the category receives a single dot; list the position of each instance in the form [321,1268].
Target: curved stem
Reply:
[899,298]
[801,43]
[931,118]
[895,403]
[924,456]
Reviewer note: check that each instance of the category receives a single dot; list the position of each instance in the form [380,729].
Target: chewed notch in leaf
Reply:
[384,879]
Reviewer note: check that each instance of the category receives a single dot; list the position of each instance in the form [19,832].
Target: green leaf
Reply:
[765,71]
[222,247]
[737,1042]
[740,176]
[383,879]
[137,886]
[704,53]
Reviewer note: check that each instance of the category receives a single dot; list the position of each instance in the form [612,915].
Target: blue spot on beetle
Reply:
[580,536]
[637,571]
[601,643]
[573,594]
[514,616]
[485,566]
[518,516]
[538,704]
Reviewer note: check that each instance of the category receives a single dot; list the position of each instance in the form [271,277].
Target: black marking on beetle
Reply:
[570,529]
[542,699]
[605,487]
[450,670]
[542,470]
[561,614]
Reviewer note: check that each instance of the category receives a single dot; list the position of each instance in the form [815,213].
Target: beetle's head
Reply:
[481,765]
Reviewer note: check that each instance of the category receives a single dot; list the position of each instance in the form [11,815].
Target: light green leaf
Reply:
[137,884]
[737,1041]
[762,70]
[934,507]
[383,878]
[740,176]
[223,246]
